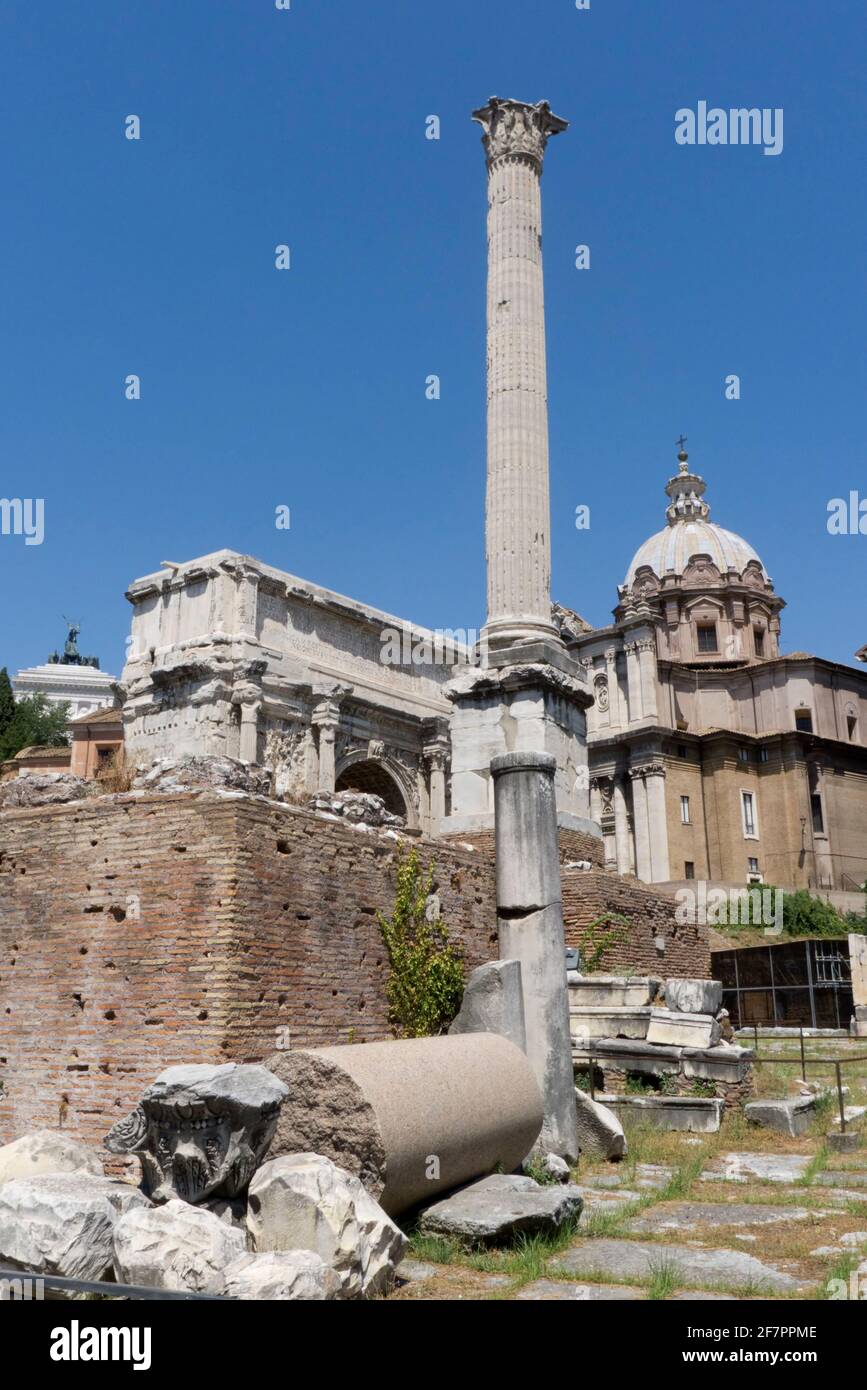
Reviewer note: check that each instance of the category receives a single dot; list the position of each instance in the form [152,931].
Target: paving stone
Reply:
[653,1176]
[841,1178]
[409,1271]
[694,1266]
[596,1200]
[646,1175]
[544,1290]
[702,1296]
[749,1167]
[684,1216]
[842,1196]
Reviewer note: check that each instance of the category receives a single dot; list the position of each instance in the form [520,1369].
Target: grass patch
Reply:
[816,1165]
[663,1280]
[837,1274]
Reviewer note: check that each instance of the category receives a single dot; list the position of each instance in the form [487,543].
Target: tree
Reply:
[34,721]
[7,701]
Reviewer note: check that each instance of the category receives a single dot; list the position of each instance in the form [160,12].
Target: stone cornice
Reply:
[524,677]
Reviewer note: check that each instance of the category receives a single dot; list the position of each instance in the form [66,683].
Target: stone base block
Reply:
[682,1030]
[618,991]
[695,1115]
[607,1022]
[792,1117]
[844,1143]
[694,996]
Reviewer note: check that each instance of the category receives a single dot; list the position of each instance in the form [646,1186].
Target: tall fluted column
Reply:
[518,512]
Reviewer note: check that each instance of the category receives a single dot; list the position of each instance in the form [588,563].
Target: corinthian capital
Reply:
[517,128]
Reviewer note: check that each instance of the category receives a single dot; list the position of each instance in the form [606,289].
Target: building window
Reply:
[744,754]
[804,721]
[707,637]
[689,869]
[852,727]
[816,813]
[682,750]
[759,640]
[104,756]
[684,810]
[753,866]
[748,813]
[763,754]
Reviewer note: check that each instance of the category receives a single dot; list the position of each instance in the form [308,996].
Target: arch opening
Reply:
[372,777]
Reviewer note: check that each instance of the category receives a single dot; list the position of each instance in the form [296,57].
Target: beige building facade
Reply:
[714,755]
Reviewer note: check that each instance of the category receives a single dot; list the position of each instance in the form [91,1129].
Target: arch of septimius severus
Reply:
[684,737]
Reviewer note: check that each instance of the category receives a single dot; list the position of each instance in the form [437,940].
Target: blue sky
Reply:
[306,388]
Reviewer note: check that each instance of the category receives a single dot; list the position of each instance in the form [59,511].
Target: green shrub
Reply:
[426,977]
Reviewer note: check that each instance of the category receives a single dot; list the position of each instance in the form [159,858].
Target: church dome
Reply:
[690,532]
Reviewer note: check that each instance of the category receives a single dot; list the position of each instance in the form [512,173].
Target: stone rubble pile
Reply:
[191,773]
[43,789]
[359,808]
[219,1212]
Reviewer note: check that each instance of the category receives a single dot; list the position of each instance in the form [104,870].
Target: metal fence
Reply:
[836,1063]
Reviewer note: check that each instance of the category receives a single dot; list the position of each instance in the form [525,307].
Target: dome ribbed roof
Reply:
[670,550]
[690,532]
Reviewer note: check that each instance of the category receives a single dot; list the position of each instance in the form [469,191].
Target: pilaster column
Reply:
[311,762]
[654,781]
[247,694]
[437,755]
[615,716]
[633,682]
[326,717]
[595,800]
[621,827]
[647,674]
[518,520]
[640,828]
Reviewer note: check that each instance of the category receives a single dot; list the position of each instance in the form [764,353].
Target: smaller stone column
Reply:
[247,695]
[437,757]
[621,827]
[248,750]
[640,829]
[530,921]
[326,717]
[311,762]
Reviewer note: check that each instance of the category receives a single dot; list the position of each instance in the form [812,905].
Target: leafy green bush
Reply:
[803,914]
[426,978]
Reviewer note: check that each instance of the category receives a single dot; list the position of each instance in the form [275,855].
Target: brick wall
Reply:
[140,931]
[136,932]
[589,894]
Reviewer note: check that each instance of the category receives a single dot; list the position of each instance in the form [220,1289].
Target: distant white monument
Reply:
[68,677]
